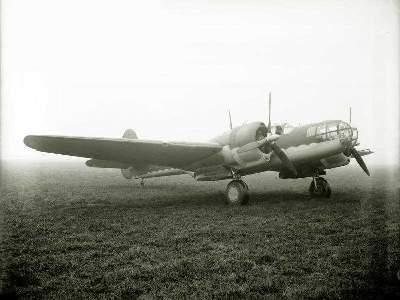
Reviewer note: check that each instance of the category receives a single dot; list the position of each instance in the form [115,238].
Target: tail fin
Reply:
[128,134]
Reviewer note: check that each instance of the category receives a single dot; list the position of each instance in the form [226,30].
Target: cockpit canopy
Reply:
[331,130]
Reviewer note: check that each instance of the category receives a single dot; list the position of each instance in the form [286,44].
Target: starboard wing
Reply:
[130,151]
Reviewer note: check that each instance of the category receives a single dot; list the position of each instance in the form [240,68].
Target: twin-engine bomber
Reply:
[294,152]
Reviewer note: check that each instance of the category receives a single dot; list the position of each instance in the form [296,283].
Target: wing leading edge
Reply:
[173,154]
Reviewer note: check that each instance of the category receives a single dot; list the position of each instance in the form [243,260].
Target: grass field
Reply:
[68,231]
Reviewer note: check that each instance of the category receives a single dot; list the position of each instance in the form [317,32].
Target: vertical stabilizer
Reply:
[130,134]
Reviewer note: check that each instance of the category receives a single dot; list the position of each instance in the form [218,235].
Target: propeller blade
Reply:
[285,160]
[270,140]
[360,161]
[258,144]
[230,120]
[350,115]
[269,114]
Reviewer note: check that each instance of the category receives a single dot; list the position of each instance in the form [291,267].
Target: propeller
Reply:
[230,120]
[287,164]
[350,115]
[360,161]
[353,151]
[271,140]
[269,113]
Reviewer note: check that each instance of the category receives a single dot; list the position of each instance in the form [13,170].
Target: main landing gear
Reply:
[237,191]
[320,188]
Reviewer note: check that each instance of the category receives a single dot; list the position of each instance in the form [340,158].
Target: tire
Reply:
[237,193]
[323,189]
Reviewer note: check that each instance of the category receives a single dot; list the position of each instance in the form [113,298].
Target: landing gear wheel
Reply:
[320,188]
[237,193]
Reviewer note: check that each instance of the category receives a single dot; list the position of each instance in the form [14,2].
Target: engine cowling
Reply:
[236,140]
[242,135]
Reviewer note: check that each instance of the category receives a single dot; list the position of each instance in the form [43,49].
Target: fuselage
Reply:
[312,147]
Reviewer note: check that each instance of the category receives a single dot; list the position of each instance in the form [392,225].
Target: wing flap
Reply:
[174,154]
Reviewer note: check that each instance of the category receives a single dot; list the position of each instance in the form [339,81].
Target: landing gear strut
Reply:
[320,188]
[237,193]
[141,182]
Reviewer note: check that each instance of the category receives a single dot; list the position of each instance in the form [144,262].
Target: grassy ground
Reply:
[68,231]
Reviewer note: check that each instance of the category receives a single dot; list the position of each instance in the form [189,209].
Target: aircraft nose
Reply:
[347,137]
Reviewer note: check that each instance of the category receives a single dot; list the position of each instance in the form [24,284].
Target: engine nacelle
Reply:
[247,156]
[234,152]
[242,135]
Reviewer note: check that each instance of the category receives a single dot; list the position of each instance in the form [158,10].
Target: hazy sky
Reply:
[171,69]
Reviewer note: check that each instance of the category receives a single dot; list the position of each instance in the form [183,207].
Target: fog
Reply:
[171,69]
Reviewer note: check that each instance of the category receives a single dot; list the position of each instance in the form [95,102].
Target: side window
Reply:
[311,131]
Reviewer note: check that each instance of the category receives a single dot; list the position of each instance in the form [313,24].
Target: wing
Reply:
[130,151]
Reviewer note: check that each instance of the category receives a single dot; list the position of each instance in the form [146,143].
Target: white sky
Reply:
[171,69]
